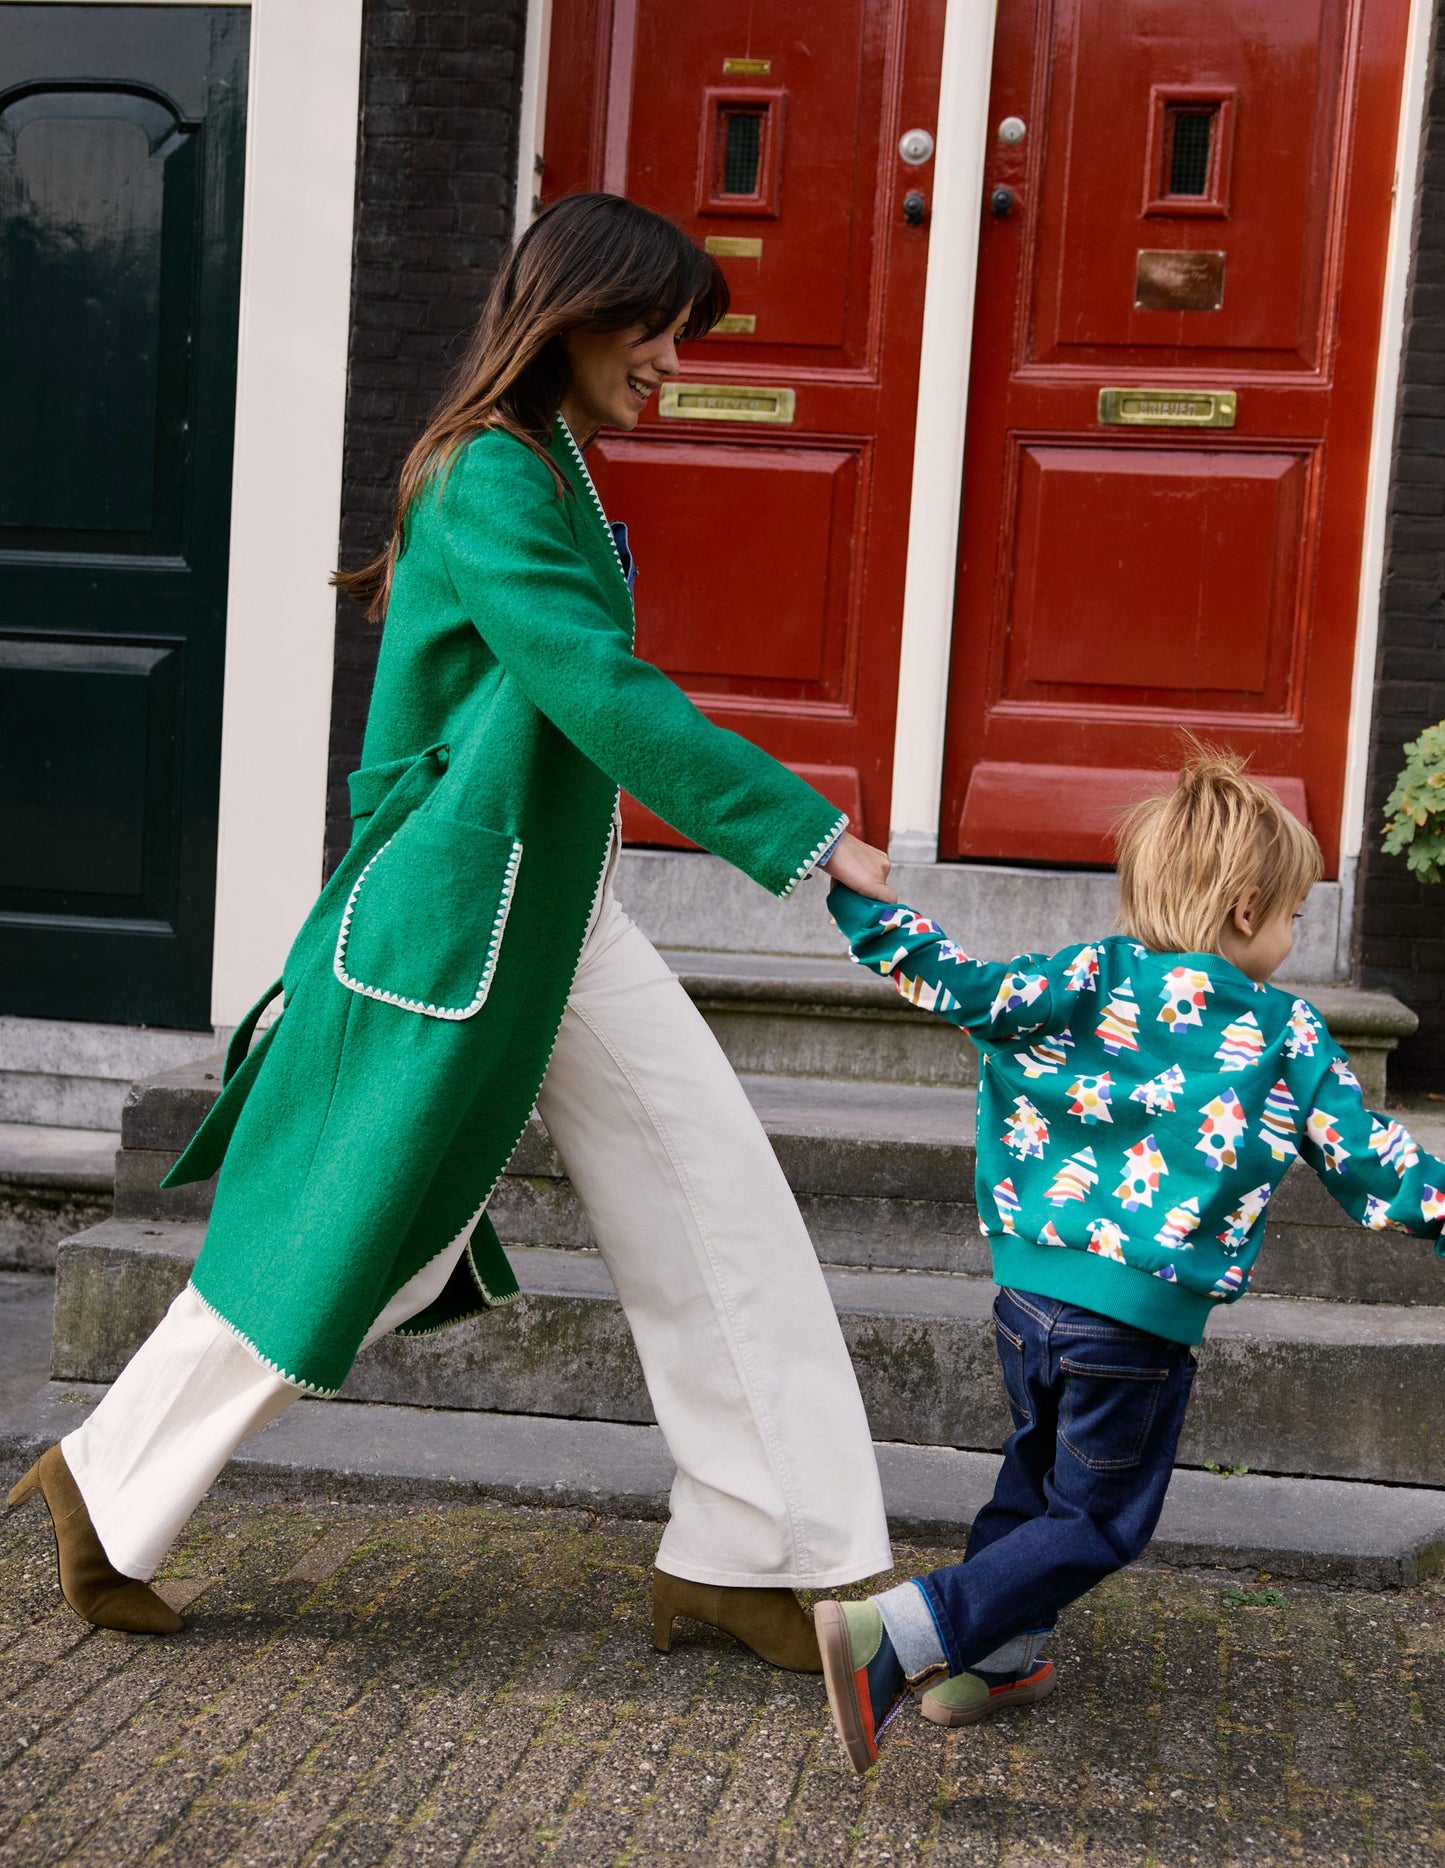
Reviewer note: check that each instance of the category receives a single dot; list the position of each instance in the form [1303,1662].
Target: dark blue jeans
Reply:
[1097,1410]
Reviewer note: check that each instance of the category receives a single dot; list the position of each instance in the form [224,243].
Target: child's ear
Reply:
[1242,916]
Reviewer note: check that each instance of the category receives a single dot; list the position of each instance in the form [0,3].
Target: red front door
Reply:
[1194,228]
[771,547]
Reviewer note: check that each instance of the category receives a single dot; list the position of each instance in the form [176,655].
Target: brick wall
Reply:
[440,88]
[1400,925]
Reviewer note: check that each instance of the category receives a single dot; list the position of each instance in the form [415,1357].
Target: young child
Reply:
[1140,1099]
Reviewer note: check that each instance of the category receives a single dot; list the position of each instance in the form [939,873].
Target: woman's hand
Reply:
[860,867]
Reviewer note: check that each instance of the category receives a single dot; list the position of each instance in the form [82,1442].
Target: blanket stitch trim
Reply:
[296,1381]
[807,867]
[484,984]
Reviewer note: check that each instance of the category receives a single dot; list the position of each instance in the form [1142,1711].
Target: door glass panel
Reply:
[1190,139]
[740,156]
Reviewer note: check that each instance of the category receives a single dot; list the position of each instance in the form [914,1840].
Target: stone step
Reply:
[1286,1386]
[883,1173]
[1315,1530]
[53,1183]
[813,1017]
[62,1073]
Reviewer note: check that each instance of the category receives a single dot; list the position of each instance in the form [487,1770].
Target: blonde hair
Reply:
[1188,856]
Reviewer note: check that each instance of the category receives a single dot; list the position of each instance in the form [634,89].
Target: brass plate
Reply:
[735,324]
[747,67]
[733,246]
[1178,281]
[1168,408]
[725,402]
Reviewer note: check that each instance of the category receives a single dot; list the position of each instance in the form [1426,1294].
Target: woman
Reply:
[468,958]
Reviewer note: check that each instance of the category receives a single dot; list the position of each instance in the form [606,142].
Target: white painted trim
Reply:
[948,302]
[532,118]
[1382,434]
[301,141]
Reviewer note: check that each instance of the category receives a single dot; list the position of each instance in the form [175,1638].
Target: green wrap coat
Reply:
[367,1127]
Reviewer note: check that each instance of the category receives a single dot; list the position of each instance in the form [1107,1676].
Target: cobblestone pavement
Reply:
[443,1686]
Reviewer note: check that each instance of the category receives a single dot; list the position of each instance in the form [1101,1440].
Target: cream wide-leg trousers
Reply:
[746,1366]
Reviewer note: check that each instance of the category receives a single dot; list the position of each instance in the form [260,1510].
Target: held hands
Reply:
[861,868]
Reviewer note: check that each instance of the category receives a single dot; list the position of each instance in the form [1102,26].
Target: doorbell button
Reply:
[915,146]
[1012,130]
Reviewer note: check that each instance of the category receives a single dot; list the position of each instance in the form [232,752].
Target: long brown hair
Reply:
[592,261]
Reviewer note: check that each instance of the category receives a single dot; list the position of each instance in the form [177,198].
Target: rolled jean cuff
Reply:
[908,1618]
[1016,1656]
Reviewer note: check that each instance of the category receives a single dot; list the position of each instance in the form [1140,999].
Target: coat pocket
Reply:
[423,926]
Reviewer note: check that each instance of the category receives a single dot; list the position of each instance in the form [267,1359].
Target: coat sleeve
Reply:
[517,569]
[993,999]
[1372,1165]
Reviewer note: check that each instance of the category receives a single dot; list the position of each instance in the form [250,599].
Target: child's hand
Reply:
[862,868]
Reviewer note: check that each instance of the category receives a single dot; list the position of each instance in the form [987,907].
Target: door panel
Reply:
[1202,214]
[121,142]
[771,553]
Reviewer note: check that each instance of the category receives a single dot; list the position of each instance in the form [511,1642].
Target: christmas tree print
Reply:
[1157,1095]
[1082,972]
[1395,1146]
[1091,1098]
[1377,1213]
[1231,1284]
[1050,1234]
[1432,1203]
[908,922]
[1107,1239]
[929,995]
[1143,1167]
[1304,1033]
[1221,1130]
[1117,1027]
[1179,1222]
[1183,993]
[947,951]
[1016,991]
[1277,1126]
[1243,1042]
[1074,1178]
[1045,1057]
[1240,1223]
[1339,1068]
[1323,1131]
[1028,1132]
[1168,1274]
[1007,1202]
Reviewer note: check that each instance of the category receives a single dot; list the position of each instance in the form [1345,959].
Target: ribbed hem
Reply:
[1102,1284]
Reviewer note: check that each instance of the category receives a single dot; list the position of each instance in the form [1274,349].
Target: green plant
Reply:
[1415,811]
[1224,1472]
[1237,1598]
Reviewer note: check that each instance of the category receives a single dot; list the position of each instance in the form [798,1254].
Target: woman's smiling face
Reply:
[614,373]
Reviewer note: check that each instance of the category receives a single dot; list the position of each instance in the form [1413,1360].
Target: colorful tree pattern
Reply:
[1044,1058]
[1304,1033]
[1143,1168]
[1277,1125]
[1117,1028]
[1028,1133]
[1242,1045]
[1183,992]
[1241,1222]
[1016,991]
[1157,1095]
[1324,1132]
[1074,1178]
[1082,972]
[1179,1222]
[1395,1146]
[1221,1130]
[1091,1098]
[1006,1199]
[1107,1239]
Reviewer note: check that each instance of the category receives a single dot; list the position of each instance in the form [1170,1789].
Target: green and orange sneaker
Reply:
[865,1683]
[965,1698]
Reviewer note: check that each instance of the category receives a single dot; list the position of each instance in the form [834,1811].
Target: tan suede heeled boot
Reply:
[772,1622]
[97,1591]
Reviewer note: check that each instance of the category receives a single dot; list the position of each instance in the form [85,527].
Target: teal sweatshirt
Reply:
[1136,1112]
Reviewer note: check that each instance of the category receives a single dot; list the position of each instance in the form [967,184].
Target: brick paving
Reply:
[476,1685]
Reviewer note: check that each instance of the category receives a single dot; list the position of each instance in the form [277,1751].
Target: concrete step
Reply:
[1317,1530]
[1286,1386]
[53,1183]
[61,1073]
[799,1017]
[883,1174]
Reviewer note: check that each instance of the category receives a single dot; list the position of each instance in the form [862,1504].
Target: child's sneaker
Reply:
[965,1698]
[865,1683]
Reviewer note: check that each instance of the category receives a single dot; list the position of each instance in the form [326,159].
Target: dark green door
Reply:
[121,142]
